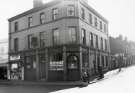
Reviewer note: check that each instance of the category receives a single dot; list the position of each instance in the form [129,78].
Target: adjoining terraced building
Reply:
[3,58]
[57,41]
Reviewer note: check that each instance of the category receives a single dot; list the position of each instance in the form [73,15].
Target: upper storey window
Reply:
[16,26]
[16,44]
[91,39]
[55,13]
[30,20]
[101,25]
[90,18]
[56,36]
[96,36]
[101,43]
[96,23]
[43,39]
[84,36]
[82,13]
[42,18]
[30,41]
[105,30]
[72,33]
[71,10]
[105,44]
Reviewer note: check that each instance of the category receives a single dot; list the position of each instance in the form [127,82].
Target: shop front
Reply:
[35,65]
[16,68]
[64,64]
[56,67]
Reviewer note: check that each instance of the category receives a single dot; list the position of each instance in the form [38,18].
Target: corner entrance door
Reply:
[73,68]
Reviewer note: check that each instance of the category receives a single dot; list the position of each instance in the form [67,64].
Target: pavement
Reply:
[39,83]
[45,83]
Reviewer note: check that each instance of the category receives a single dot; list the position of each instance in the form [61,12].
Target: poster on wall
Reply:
[56,65]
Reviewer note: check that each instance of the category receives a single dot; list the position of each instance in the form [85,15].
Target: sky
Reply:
[119,13]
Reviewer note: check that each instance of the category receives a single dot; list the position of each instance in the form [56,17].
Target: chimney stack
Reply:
[37,3]
[85,1]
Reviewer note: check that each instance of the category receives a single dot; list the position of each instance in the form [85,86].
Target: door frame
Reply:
[73,68]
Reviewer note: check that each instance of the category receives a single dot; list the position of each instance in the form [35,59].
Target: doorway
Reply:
[42,67]
[73,68]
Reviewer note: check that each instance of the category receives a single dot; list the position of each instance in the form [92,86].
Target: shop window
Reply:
[14,71]
[85,60]
[14,66]
[103,63]
[28,63]
[56,62]
[31,62]
[72,62]
[98,60]
[34,62]
[106,58]
[71,10]
[42,58]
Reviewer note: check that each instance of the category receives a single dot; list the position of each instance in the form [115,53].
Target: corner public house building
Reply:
[57,41]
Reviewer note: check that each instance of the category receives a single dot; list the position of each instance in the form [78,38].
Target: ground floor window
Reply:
[85,61]
[31,62]
[72,62]
[3,72]
[42,58]
[103,61]
[98,60]
[16,71]
[56,62]
[106,59]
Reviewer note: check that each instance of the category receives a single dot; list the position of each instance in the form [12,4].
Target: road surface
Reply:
[114,82]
